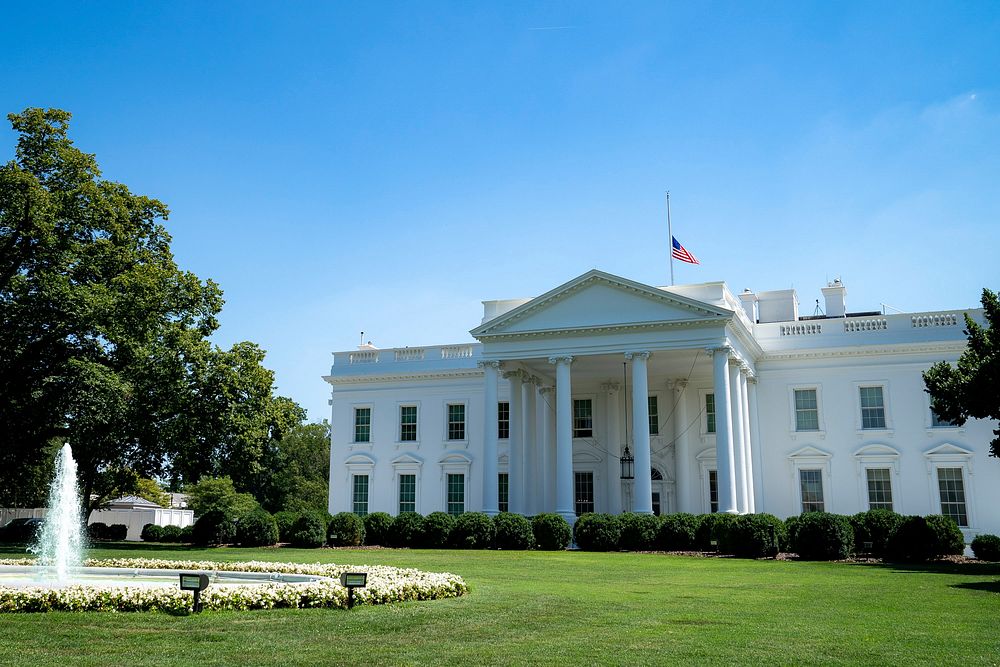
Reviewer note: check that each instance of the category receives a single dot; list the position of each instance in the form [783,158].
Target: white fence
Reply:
[135,519]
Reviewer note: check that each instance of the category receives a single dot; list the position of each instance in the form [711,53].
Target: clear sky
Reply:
[384,167]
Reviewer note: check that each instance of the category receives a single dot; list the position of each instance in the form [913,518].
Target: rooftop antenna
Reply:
[362,338]
[817,311]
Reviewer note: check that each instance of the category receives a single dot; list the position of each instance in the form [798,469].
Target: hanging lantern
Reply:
[628,464]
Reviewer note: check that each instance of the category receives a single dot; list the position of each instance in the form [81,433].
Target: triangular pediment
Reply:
[948,450]
[598,300]
[809,452]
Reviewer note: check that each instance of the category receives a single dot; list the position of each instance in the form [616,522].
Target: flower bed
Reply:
[385,585]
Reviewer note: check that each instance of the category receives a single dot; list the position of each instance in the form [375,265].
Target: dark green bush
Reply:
[752,536]
[97,531]
[513,532]
[472,530]
[177,534]
[678,532]
[214,527]
[117,532]
[285,520]
[407,529]
[919,539]
[874,527]
[791,524]
[986,547]
[947,536]
[436,531]
[552,532]
[712,528]
[378,528]
[597,532]
[257,529]
[346,529]
[823,536]
[638,531]
[308,531]
[151,533]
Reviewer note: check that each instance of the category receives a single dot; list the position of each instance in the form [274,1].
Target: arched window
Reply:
[656,475]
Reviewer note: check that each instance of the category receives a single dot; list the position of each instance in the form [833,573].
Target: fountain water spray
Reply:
[60,543]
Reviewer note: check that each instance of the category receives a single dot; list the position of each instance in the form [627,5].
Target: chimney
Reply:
[749,300]
[778,306]
[836,299]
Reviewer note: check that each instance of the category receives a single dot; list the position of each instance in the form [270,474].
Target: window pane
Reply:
[879,489]
[952,487]
[937,422]
[503,492]
[710,413]
[408,423]
[456,494]
[584,489]
[872,407]
[407,493]
[361,495]
[456,421]
[806,410]
[362,424]
[811,482]
[583,423]
[654,417]
[713,491]
[503,420]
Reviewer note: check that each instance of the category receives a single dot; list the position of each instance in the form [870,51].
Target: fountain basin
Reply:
[27,576]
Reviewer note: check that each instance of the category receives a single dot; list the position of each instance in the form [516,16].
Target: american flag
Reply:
[680,253]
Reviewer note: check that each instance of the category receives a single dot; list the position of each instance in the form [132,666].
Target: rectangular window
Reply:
[407,493]
[806,410]
[503,420]
[872,407]
[709,413]
[879,489]
[456,421]
[456,493]
[654,417]
[952,487]
[713,491]
[362,424]
[583,418]
[408,423]
[937,422]
[656,503]
[503,492]
[811,483]
[361,495]
[584,489]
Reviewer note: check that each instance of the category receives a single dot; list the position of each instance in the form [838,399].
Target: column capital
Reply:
[638,355]
[516,374]
[680,384]
[611,387]
[736,362]
[752,378]
[721,349]
[561,360]
[488,363]
[546,389]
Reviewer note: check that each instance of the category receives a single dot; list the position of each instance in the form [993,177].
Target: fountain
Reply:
[60,542]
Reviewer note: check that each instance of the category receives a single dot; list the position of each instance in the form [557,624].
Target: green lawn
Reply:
[559,608]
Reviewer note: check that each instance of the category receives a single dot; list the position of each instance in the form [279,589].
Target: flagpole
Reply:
[670,232]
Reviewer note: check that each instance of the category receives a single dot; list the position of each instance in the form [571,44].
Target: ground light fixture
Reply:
[192,581]
[350,581]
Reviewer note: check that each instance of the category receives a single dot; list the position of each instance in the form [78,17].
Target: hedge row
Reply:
[438,530]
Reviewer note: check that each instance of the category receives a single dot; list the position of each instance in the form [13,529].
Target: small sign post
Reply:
[350,581]
[194,582]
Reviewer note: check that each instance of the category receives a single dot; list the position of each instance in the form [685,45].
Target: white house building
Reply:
[725,403]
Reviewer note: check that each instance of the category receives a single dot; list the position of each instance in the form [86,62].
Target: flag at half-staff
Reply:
[681,253]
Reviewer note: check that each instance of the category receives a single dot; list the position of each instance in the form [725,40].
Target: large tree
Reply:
[104,340]
[971,388]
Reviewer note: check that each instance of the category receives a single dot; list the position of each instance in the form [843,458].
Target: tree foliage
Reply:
[218,494]
[104,340]
[971,388]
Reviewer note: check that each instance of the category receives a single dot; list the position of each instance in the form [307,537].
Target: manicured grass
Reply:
[560,608]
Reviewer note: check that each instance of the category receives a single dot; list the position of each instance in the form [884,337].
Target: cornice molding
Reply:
[866,351]
[403,377]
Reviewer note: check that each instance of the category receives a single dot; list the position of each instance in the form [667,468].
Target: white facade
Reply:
[754,408]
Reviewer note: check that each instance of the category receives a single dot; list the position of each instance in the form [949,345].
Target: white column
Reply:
[643,501]
[564,439]
[515,473]
[547,439]
[490,497]
[747,438]
[530,461]
[739,452]
[723,430]
[682,451]
[613,438]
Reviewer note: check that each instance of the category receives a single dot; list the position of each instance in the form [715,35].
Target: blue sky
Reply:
[384,167]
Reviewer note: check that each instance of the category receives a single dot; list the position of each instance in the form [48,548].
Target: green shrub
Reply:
[378,527]
[407,530]
[257,529]
[986,547]
[177,534]
[791,524]
[597,532]
[753,536]
[874,527]
[947,536]
[711,528]
[436,531]
[919,539]
[346,529]
[214,527]
[638,531]
[678,532]
[151,533]
[308,531]
[285,520]
[117,532]
[97,531]
[513,532]
[823,536]
[472,530]
[552,532]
